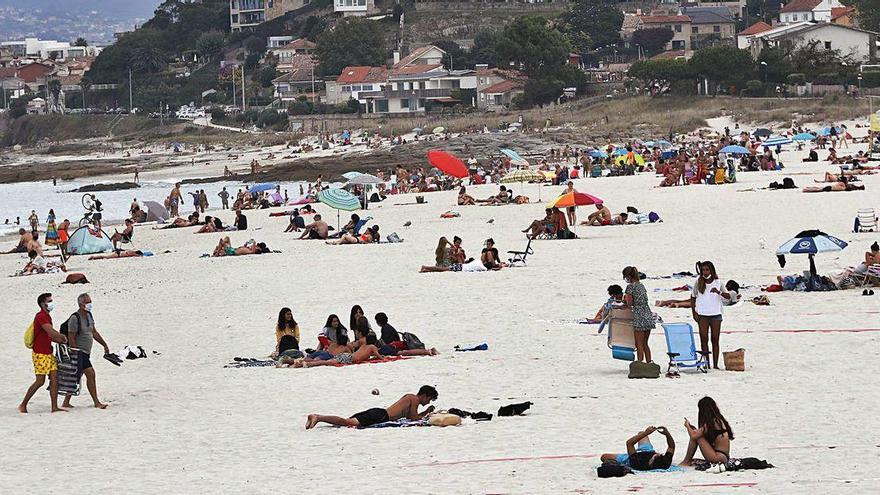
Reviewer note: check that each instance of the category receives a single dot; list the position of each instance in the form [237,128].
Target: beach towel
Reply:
[68,367]
[373,361]
[616,470]
[250,363]
[398,423]
[482,347]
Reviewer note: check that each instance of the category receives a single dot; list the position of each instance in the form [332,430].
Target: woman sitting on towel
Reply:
[334,331]
[489,256]
[286,326]
[712,435]
[465,199]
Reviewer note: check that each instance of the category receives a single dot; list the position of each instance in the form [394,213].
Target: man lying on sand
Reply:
[119,253]
[640,454]
[406,407]
[318,229]
[178,222]
[224,248]
[842,185]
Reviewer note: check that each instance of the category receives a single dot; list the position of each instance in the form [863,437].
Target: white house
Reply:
[354,7]
[744,37]
[857,43]
[807,10]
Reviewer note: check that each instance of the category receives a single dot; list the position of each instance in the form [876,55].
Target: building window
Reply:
[234,5]
[678,45]
[346,89]
[678,28]
[498,100]
[716,29]
[404,103]
[235,18]
[695,29]
[382,106]
[827,45]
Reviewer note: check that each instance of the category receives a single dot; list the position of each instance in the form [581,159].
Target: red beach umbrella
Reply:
[447,163]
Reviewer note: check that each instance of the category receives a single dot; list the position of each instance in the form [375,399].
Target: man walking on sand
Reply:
[175,200]
[81,333]
[406,407]
[41,354]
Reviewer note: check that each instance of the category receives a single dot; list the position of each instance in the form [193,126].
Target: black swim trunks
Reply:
[313,234]
[371,417]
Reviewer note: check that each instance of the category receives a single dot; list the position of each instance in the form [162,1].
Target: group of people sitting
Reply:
[504,197]
[450,257]
[335,347]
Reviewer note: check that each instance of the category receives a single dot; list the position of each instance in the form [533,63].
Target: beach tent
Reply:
[156,212]
[638,159]
[826,131]
[84,240]
[598,154]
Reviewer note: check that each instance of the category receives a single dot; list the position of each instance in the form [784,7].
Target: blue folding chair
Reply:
[621,336]
[681,349]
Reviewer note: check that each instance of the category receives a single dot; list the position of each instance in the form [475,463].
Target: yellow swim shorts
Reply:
[44,363]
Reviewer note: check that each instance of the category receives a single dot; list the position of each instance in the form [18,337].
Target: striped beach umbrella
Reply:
[776,141]
[514,157]
[523,175]
[339,199]
[574,199]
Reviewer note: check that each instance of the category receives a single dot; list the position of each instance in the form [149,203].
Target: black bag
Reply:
[63,328]
[411,341]
[514,409]
[612,470]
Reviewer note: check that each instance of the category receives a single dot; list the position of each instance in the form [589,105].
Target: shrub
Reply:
[218,113]
[754,88]
[796,78]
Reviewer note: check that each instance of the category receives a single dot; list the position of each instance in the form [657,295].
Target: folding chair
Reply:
[520,256]
[621,336]
[872,276]
[866,220]
[681,349]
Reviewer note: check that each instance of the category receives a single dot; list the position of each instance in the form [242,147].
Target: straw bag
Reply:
[735,360]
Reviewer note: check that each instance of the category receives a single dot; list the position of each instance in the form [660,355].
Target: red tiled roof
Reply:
[838,12]
[300,61]
[362,74]
[415,54]
[800,6]
[414,69]
[664,19]
[300,44]
[502,87]
[758,27]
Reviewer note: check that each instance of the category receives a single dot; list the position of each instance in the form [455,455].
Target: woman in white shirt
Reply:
[707,299]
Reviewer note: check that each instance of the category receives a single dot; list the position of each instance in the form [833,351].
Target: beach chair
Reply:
[520,256]
[872,276]
[866,220]
[681,349]
[621,336]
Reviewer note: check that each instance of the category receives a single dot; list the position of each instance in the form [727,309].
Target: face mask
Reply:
[707,277]
[50,306]
[89,307]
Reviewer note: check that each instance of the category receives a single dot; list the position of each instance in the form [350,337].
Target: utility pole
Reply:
[233,87]
[130,100]
[3,87]
[243,91]
[161,116]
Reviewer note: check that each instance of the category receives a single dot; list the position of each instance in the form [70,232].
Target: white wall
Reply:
[846,40]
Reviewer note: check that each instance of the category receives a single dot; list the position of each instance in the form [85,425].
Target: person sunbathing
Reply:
[363,354]
[178,222]
[365,238]
[224,248]
[671,178]
[26,243]
[210,226]
[602,216]
[406,407]
[465,199]
[37,264]
[542,226]
[318,229]
[442,257]
[503,197]
[842,185]
[640,454]
[119,253]
[872,258]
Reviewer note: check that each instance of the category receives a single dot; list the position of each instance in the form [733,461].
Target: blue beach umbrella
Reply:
[734,150]
[776,141]
[350,175]
[258,188]
[619,152]
[804,136]
[810,242]
[826,131]
[514,157]
[598,154]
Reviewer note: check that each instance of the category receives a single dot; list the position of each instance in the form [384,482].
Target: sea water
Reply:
[18,199]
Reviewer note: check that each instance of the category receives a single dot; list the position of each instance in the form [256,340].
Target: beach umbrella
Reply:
[258,188]
[639,160]
[417,129]
[734,150]
[514,157]
[362,179]
[598,154]
[662,143]
[155,211]
[447,163]
[350,175]
[776,141]
[804,136]
[515,125]
[826,131]
[810,242]
[574,199]
[619,152]
[439,130]
[339,199]
[522,176]
[761,132]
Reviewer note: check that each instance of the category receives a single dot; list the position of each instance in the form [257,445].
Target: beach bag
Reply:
[735,360]
[612,470]
[411,341]
[653,217]
[394,238]
[68,368]
[29,336]
[441,419]
[638,369]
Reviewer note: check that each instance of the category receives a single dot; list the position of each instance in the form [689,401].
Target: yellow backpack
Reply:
[29,336]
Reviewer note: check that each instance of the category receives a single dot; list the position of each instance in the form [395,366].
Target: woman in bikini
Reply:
[464,199]
[443,257]
[712,435]
[365,238]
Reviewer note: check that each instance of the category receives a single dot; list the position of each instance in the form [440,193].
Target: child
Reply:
[615,299]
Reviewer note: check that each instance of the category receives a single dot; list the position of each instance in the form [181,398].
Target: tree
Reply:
[255,44]
[312,27]
[455,55]
[483,51]
[80,42]
[598,21]
[652,40]
[660,75]
[354,41]
[531,43]
[210,43]
[54,87]
[266,75]
[868,13]
[147,60]
[774,65]
[813,59]
[722,64]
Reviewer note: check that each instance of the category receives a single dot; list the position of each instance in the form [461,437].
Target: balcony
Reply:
[406,93]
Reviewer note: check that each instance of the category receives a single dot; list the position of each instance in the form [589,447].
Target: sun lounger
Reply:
[681,348]
[520,256]
[866,220]
[621,336]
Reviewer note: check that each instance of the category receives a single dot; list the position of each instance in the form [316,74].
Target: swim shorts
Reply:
[371,417]
[710,317]
[344,358]
[83,363]
[387,350]
[44,363]
[456,267]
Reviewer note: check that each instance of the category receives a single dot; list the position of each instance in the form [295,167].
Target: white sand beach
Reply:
[179,422]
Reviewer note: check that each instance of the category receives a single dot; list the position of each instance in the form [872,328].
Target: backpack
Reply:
[411,341]
[29,336]
[63,328]
[612,470]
